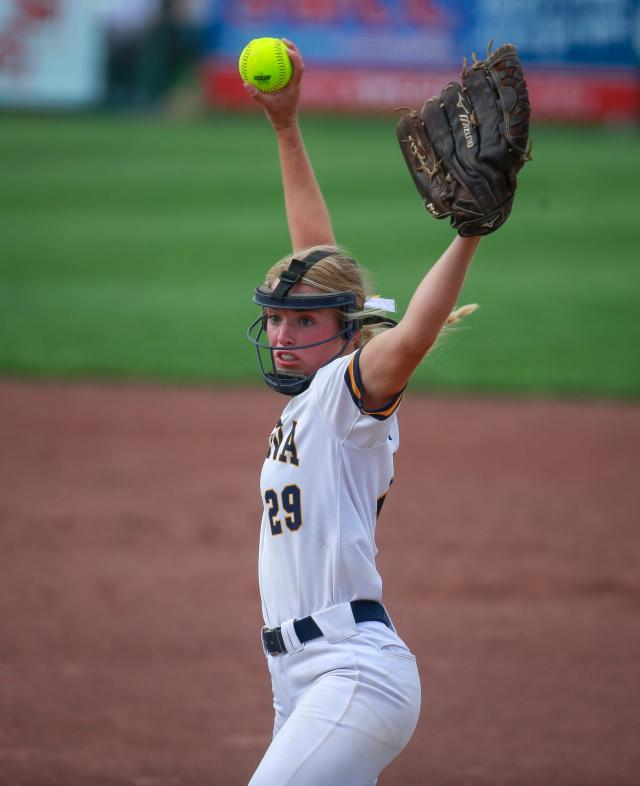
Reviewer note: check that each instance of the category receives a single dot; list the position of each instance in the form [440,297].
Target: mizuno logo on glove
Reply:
[465,120]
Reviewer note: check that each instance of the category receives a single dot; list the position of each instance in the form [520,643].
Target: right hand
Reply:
[281,106]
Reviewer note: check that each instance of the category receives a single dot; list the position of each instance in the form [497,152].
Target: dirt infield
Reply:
[129,610]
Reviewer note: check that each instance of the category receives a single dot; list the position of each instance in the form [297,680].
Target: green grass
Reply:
[130,247]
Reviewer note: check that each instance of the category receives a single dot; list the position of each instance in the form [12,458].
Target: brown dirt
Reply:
[129,610]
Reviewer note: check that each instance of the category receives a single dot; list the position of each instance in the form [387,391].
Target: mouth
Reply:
[286,359]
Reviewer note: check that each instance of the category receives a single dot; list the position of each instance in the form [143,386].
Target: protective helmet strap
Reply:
[296,271]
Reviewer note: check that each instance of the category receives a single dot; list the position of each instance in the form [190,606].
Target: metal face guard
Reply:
[280,381]
[279,297]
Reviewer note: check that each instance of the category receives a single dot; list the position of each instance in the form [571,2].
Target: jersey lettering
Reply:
[290,502]
[289,452]
[281,449]
[292,507]
[275,440]
[271,499]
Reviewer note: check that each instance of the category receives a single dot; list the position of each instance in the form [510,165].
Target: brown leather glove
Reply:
[466,146]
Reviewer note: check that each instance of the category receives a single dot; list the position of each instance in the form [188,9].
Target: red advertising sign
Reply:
[568,95]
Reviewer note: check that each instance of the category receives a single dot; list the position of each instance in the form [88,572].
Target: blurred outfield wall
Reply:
[51,53]
[581,55]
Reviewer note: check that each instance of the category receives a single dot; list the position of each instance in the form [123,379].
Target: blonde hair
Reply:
[460,313]
[336,273]
[340,273]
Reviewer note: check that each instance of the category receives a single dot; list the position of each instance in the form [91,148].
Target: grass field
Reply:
[129,247]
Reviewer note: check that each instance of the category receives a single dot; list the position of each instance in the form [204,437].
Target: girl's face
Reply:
[289,328]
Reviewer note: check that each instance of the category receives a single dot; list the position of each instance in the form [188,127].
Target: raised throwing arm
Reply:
[307,214]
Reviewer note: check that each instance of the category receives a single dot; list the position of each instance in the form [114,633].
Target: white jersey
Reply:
[328,469]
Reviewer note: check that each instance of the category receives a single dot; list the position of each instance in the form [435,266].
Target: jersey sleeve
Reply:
[353,381]
[339,392]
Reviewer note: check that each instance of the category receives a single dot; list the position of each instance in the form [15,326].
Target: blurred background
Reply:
[141,201]
[140,205]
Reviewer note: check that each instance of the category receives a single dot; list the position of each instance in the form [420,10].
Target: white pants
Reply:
[343,709]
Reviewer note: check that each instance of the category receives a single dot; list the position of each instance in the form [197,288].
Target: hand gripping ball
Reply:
[265,63]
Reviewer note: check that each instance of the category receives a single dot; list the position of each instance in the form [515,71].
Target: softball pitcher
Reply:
[346,690]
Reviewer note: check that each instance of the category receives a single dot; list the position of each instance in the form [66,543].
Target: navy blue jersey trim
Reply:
[354,384]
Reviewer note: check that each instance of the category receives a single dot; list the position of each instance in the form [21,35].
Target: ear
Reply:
[353,343]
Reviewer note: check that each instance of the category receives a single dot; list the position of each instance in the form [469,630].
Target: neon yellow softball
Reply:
[265,63]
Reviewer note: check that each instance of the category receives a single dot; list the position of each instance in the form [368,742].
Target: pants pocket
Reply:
[398,650]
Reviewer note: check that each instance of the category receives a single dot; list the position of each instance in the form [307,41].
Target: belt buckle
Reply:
[272,641]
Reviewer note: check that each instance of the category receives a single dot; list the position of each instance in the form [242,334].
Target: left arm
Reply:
[307,213]
[390,358]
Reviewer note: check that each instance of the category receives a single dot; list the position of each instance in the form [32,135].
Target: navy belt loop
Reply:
[272,640]
[306,629]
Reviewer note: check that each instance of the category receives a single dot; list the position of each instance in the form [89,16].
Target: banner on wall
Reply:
[580,56]
[51,53]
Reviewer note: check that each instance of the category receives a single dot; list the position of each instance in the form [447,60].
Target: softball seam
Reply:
[243,61]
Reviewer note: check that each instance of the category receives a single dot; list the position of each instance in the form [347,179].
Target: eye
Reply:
[274,319]
[305,321]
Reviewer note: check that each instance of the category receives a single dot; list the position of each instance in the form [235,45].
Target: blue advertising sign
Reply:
[375,54]
[571,32]
[400,33]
